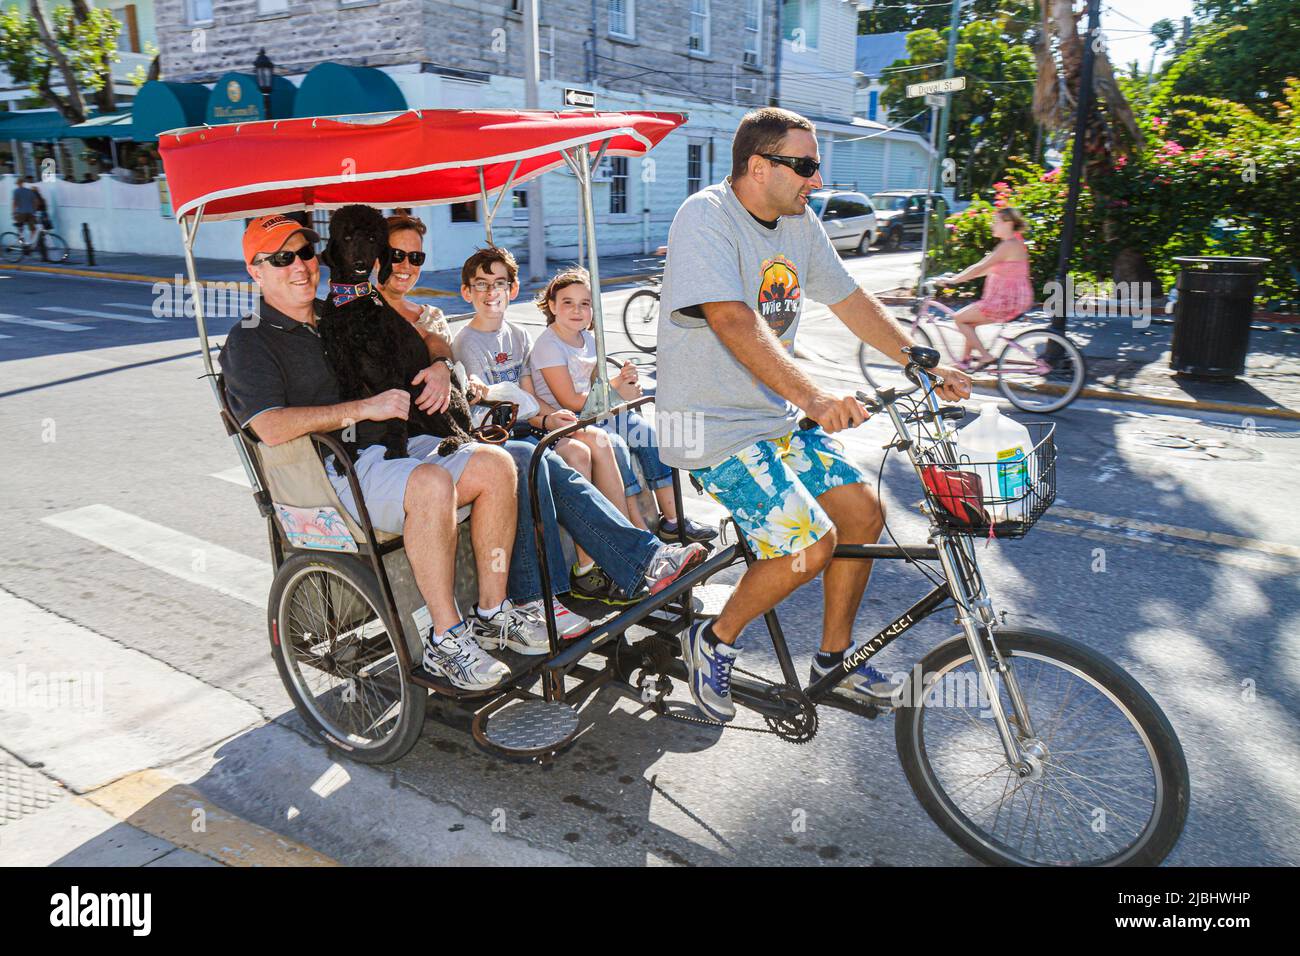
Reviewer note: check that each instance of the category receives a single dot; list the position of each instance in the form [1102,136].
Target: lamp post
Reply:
[264,70]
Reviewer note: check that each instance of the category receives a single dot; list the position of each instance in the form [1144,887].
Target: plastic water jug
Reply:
[998,450]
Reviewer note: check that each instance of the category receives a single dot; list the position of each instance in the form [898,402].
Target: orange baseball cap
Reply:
[268,233]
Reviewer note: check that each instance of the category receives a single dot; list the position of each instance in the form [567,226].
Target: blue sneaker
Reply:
[864,684]
[708,670]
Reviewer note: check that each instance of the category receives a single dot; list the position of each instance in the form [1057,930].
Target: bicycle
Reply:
[641,311]
[53,247]
[1037,370]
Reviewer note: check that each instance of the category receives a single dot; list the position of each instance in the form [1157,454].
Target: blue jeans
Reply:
[637,437]
[566,498]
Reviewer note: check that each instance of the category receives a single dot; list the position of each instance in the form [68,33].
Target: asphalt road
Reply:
[112,417]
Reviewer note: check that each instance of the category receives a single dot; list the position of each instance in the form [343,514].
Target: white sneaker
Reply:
[512,627]
[568,623]
[458,658]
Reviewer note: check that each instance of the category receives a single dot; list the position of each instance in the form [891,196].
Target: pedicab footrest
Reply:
[708,600]
[531,726]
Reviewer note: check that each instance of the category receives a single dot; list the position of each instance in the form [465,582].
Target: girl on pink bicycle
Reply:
[1007,290]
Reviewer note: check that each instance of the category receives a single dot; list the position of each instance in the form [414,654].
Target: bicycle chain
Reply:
[796,734]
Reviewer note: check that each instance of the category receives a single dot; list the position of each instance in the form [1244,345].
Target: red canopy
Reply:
[416,158]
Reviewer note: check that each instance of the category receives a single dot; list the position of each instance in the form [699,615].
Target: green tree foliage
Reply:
[990,118]
[1249,64]
[894,17]
[72,48]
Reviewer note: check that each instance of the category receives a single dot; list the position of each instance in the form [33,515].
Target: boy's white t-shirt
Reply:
[493,357]
[550,351]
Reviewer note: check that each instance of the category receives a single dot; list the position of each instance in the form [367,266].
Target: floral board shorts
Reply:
[771,489]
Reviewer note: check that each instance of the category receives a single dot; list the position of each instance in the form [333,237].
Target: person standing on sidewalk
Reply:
[742,257]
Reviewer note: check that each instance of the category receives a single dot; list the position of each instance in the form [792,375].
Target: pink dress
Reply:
[1007,289]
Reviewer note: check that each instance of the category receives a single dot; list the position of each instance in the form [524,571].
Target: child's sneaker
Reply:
[708,671]
[596,585]
[672,561]
[457,657]
[511,627]
[668,533]
[567,623]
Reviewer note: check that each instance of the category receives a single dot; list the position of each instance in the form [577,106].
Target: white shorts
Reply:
[383,480]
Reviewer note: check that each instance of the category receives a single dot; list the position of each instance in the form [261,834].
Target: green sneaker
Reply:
[596,585]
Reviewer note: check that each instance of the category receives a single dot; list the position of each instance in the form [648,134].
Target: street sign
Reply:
[950,85]
[585,99]
[937,100]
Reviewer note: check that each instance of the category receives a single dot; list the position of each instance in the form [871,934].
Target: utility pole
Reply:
[950,64]
[1083,111]
[532,78]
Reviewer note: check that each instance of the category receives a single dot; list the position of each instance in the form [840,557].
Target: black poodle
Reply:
[371,347]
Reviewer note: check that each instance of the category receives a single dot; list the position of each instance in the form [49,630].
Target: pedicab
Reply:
[1023,746]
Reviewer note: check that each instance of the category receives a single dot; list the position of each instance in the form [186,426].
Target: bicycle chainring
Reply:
[799,727]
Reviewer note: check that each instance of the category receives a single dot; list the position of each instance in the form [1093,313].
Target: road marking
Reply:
[131,305]
[90,314]
[172,552]
[1235,558]
[43,323]
[1173,531]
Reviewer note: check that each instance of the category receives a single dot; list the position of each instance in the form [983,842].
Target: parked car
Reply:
[900,214]
[848,217]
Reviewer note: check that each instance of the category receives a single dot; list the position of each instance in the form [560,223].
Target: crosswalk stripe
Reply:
[43,323]
[236,476]
[131,305]
[172,552]
[89,314]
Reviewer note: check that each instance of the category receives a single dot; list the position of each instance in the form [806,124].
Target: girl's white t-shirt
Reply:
[550,351]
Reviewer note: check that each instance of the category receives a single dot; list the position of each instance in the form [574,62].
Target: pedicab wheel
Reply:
[641,319]
[1107,780]
[336,652]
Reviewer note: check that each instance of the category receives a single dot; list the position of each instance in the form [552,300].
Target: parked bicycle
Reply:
[641,310]
[15,246]
[1036,370]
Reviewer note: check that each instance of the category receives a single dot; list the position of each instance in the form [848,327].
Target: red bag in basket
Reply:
[960,493]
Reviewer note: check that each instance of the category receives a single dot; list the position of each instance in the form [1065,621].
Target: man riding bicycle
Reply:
[742,257]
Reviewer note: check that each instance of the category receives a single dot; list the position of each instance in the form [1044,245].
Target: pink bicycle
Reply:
[1036,370]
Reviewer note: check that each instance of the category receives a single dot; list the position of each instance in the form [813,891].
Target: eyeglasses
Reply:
[285,256]
[397,255]
[482,285]
[804,166]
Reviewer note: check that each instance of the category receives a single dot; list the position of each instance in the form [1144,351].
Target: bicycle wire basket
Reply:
[1011,494]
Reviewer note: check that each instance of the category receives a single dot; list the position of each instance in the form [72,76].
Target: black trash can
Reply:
[1216,298]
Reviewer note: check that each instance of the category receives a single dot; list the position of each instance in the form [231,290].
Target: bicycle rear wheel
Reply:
[56,250]
[1040,371]
[641,318]
[1108,786]
[11,247]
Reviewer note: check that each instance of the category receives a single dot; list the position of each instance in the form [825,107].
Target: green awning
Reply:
[160,106]
[331,89]
[236,99]
[37,126]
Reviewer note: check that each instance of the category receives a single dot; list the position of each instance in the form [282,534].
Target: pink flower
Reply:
[1002,187]
[1121,162]
[1199,154]
[1172,148]
[1050,177]
[1157,122]
[1000,202]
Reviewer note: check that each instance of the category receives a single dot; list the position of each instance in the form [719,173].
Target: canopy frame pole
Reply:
[490,212]
[582,245]
[602,396]
[189,232]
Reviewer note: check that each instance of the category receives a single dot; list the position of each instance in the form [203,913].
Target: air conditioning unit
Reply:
[751,58]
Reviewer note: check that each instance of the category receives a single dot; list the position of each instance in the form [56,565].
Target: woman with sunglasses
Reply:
[406,242]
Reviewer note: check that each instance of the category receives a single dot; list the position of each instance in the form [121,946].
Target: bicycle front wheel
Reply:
[11,247]
[1108,784]
[641,318]
[1041,371]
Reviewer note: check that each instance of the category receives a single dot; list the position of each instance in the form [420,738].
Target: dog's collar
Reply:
[342,293]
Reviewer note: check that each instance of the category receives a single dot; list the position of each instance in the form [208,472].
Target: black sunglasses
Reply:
[285,256]
[397,255]
[804,166]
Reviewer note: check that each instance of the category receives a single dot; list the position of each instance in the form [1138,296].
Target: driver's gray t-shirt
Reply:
[708,404]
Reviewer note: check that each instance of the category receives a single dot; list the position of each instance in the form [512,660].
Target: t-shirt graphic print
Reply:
[779,296]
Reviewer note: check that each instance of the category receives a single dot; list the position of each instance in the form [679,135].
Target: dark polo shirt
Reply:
[272,361]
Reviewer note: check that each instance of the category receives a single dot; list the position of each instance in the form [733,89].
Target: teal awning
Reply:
[160,106]
[112,125]
[40,126]
[331,89]
[236,99]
